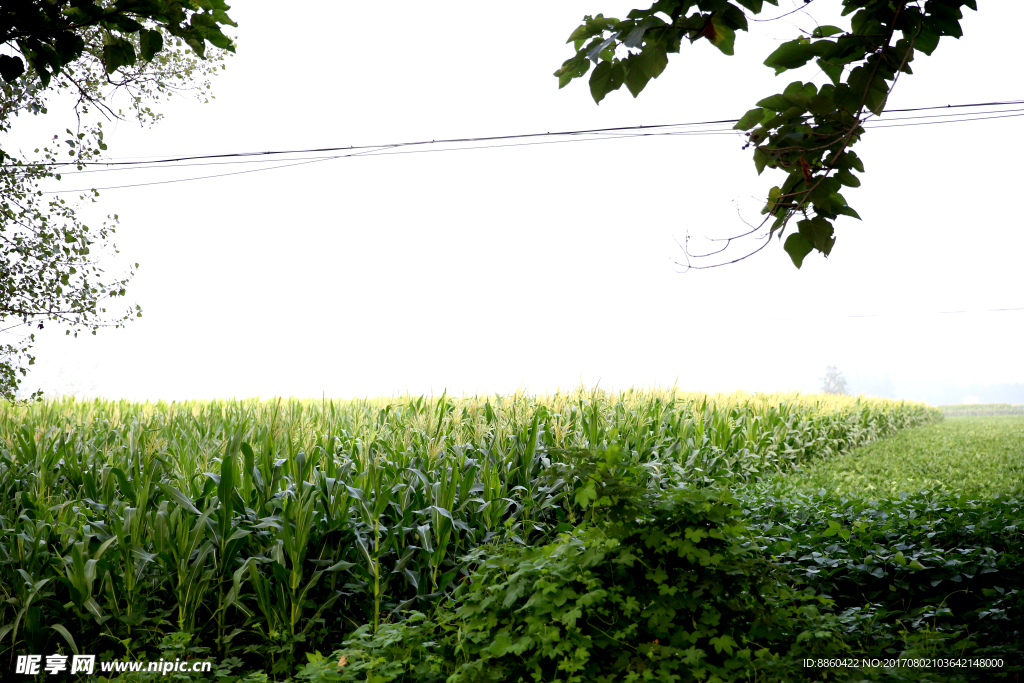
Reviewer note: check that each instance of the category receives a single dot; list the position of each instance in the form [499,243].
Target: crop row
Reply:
[268,529]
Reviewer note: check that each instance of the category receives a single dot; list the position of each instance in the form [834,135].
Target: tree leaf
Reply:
[818,231]
[750,119]
[724,38]
[752,5]
[11,67]
[848,211]
[636,76]
[150,43]
[607,76]
[825,31]
[833,71]
[798,248]
[791,55]
[847,178]
[572,68]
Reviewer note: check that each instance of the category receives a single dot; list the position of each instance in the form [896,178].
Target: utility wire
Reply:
[575,136]
[158,164]
[592,131]
[907,314]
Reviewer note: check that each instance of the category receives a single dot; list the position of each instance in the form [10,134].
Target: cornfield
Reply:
[265,530]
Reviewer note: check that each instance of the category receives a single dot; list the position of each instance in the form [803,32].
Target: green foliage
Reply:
[694,584]
[919,575]
[805,131]
[978,457]
[268,531]
[413,649]
[669,595]
[49,35]
[49,263]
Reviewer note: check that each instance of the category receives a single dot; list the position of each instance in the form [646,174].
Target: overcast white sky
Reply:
[541,266]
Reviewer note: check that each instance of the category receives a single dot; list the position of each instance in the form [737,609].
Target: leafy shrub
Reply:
[668,594]
[670,585]
[407,650]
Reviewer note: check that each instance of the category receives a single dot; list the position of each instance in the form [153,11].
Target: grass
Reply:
[978,457]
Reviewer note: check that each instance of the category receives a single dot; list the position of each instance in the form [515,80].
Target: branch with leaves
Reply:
[50,261]
[48,33]
[805,131]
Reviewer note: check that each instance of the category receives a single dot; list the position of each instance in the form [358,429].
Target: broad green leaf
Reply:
[818,231]
[117,54]
[776,103]
[848,211]
[750,119]
[724,38]
[847,178]
[607,76]
[636,76]
[11,67]
[825,31]
[791,55]
[150,43]
[572,68]
[723,642]
[832,70]
[926,41]
[798,248]
[500,645]
[653,60]
[760,160]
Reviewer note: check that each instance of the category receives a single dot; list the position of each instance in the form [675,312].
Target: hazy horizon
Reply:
[543,265]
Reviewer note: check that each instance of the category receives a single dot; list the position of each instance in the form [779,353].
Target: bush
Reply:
[666,590]
[404,651]
[671,586]
[671,594]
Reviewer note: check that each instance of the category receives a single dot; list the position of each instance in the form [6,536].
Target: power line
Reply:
[592,131]
[158,164]
[385,146]
[928,123]
[908,314]
[575,136]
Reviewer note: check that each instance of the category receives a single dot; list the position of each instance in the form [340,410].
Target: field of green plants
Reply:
[981,409]
[977,457]
[584,536]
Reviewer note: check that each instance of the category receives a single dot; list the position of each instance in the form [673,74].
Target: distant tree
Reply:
[833,382]
[89,50]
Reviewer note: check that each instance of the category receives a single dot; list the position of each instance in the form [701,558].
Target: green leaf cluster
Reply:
[805,131]
[48,35]
[93,50]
